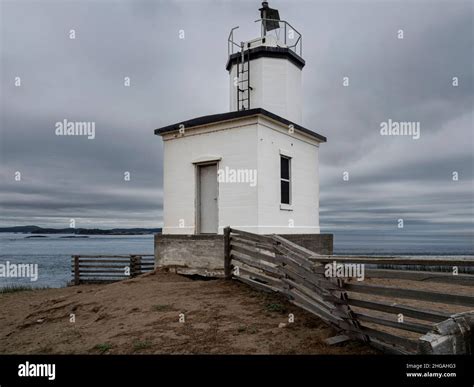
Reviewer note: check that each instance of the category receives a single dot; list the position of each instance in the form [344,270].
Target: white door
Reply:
[208,199]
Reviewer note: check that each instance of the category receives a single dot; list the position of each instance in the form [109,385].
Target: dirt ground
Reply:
[142,315]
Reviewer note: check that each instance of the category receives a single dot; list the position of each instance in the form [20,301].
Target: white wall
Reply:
[250,143]
[277,87]
[236,144]
[274,139]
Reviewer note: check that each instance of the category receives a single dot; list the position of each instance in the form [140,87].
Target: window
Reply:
[285,180]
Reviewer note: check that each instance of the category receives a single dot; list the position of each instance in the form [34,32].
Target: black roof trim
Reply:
[269,52]
[204,120]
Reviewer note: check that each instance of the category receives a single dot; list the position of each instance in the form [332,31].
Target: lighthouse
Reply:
[265,72]
[254,168]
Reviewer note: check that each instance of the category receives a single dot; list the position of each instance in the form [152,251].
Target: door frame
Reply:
[197,195]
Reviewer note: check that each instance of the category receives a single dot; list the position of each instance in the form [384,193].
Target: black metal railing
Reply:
[291,38]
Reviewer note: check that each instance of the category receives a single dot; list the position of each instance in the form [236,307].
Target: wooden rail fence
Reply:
[109,268]
[395,310]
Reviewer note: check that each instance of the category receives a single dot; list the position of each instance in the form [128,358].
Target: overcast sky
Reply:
[175,79]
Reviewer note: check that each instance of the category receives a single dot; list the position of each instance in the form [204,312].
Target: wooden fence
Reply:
[396,310]
[109,268]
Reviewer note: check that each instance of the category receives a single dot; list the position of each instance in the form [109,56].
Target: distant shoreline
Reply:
[79,231]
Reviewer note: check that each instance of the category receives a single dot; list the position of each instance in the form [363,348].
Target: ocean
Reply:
[52,252]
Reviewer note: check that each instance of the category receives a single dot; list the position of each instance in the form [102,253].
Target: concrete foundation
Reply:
[190,254]
[204,254]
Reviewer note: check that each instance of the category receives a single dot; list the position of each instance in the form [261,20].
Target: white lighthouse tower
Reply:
[254,168]
[266,72]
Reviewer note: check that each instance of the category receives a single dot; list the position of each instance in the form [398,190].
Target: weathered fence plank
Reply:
[259,285]
[407,326]
[98,268]
[248,242]
[254,263]
[254,237]
[452,336]
[252,253]
[261,277]
[462,279]
[437,297]
[418,313]
[274,264]
[392,261]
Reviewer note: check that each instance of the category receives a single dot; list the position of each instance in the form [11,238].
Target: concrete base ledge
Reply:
[204,254]
[191,254]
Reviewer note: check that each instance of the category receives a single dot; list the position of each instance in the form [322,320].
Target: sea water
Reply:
[52,253]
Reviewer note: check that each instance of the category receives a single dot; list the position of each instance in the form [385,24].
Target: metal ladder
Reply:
[243,79]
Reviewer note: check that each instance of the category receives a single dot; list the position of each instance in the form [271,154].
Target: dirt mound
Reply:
[160,313]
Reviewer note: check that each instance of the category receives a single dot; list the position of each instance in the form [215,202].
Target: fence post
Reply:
[346,309]
[76,270]
[133,266]
[227,258]
[453,336]
[138,265]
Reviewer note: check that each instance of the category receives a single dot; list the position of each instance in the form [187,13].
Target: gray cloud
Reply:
[176,79]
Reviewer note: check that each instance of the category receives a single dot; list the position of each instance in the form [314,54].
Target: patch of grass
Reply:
[161,308]
[19,288]
[141,345]
[275,307]
[103,347]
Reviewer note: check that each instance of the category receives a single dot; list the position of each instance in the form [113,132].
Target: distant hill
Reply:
[80,231]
